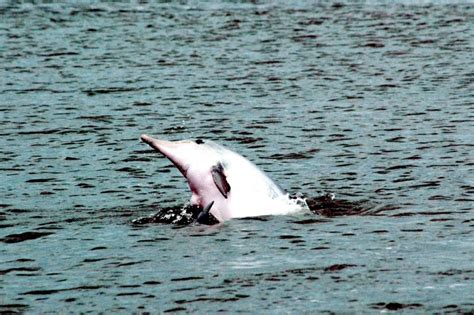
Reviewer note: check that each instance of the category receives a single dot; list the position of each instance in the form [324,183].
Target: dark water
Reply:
[373,102]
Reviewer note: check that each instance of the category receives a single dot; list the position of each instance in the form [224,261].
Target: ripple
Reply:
[370,102]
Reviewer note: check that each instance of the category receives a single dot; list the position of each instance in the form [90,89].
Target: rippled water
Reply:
[371,102]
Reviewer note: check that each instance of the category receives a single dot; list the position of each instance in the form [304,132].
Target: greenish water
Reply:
[370,101]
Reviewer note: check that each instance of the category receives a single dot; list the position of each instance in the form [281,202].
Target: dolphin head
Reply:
[183,154]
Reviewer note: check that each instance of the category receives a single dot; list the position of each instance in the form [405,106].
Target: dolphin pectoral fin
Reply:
[220,179]
[203,216]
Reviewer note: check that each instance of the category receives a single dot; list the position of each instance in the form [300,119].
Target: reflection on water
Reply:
[372,103]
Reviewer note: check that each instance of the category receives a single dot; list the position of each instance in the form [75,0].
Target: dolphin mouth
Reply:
[162,146]
[166,148]
[150,141]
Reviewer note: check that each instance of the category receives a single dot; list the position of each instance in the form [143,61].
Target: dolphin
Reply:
[224,183]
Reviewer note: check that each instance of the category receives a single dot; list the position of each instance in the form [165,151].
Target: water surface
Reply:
[371,102]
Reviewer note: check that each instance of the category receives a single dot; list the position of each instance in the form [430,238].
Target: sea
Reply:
[371,102]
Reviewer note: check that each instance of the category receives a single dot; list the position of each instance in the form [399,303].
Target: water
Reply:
[373,102]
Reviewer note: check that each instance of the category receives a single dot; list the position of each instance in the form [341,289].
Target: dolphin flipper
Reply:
[220,179]
[203,216]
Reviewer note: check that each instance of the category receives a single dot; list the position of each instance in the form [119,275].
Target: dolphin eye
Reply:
[199,141]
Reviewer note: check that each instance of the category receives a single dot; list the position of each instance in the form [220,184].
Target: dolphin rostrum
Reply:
[223,182]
